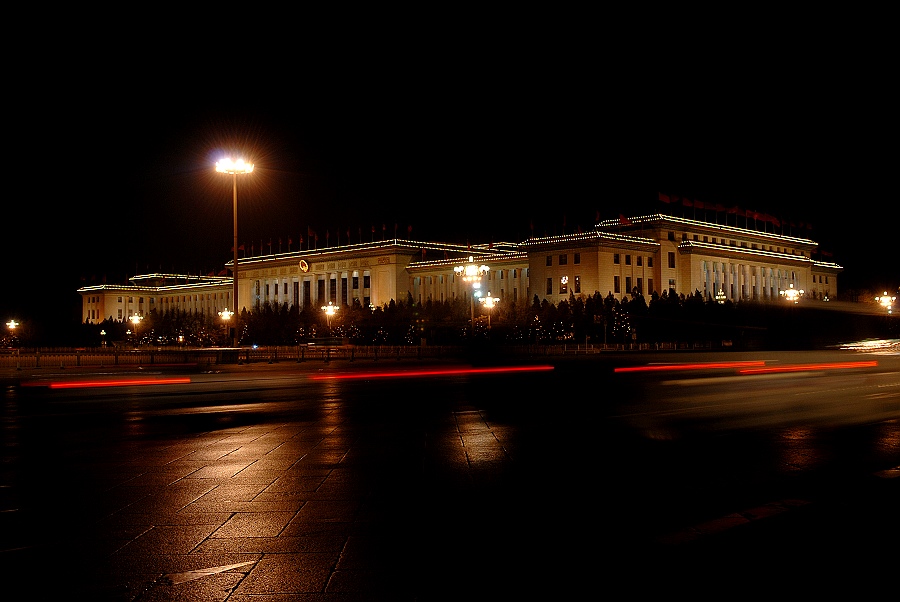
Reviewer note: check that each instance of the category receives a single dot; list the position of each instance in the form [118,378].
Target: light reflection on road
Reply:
[780,394]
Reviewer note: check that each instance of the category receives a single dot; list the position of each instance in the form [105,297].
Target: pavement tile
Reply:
[288,573]
[255,524]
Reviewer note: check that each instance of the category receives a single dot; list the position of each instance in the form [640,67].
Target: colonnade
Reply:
[742,281]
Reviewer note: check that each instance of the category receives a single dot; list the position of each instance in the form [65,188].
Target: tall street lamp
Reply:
[471,273]
[234,168]
[329,310]
[226,317]
[886,302]
[792,294]
[136,319]
[12,325]
[489,302]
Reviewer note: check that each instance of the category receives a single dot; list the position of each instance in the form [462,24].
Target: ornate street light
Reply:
[136,319]
[226,318]
[886,302]
[720,297]
[329,310]
[234,168]
[489,302]
[791,294]
[12,325]
[471,273]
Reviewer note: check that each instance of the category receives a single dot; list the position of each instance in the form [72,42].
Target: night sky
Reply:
[459,148]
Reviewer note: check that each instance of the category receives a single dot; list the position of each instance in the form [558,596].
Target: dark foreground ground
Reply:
[497,489]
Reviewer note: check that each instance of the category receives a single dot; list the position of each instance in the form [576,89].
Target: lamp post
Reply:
[12,325]
[720,297]
[329,310]
[489,302]
[234,168]
[226,317]
[471,273]
[791,294]
[136,319]
[886,302]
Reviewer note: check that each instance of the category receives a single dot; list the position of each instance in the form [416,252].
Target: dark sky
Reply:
[114,172]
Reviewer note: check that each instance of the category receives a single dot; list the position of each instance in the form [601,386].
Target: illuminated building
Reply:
[643,255]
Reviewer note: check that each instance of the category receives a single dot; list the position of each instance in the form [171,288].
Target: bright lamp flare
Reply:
[793,295]
[234,167]
[886,302]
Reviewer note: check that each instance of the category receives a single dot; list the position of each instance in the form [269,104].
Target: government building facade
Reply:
[625,256]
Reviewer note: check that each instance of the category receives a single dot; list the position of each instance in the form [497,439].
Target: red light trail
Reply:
[807,367]
[700,366]
[123,382]
[435,372]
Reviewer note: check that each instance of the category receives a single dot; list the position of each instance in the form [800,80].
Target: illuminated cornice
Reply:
[220,283]
[183,277]
[393,245]
[827,265]
[489,259]
[660,220]
[587,238]
[691,246]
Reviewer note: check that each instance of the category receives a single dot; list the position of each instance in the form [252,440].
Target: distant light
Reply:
[886,302]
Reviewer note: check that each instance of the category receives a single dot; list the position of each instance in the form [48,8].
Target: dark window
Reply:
[563,260]
[628,260]
[616,287]
[671,259]
[615,258]
[549,260]
[577,258]
[549,286]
